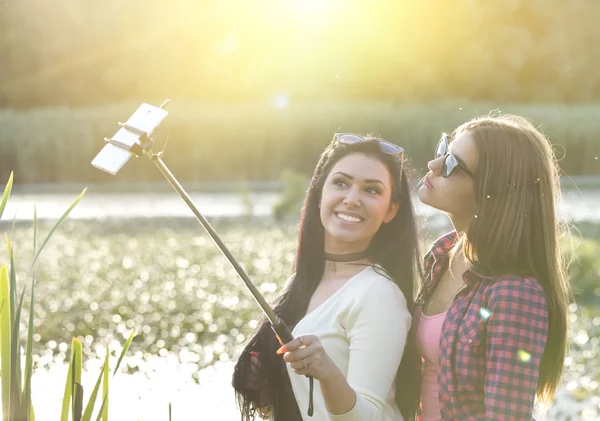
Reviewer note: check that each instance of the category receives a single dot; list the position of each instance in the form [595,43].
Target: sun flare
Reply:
[310,8]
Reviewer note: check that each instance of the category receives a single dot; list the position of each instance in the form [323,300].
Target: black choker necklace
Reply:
[349,257]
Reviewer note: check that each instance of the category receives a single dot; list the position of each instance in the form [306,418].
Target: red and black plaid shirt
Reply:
[491,343]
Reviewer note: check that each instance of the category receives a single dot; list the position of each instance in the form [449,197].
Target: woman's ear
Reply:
[391,212]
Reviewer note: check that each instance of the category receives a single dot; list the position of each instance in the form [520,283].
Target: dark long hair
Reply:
[394,248]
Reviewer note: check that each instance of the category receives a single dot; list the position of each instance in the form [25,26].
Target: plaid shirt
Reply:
[491,343]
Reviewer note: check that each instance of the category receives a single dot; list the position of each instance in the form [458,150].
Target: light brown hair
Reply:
[515,230]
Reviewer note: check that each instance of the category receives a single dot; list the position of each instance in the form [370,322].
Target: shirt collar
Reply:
[440,249]
[438,255]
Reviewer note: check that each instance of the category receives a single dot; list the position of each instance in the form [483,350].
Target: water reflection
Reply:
[145,396]
[166,280]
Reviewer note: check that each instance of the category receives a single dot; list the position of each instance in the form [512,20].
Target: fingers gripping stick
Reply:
[284,335]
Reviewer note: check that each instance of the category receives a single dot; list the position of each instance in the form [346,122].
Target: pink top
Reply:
[429,331]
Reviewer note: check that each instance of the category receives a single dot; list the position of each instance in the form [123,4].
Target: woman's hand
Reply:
[306,355]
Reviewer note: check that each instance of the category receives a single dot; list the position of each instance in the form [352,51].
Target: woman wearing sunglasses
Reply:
[492,315]
[349,300]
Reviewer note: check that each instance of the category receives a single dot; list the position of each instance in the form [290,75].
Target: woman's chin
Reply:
[425,197]
[423,194]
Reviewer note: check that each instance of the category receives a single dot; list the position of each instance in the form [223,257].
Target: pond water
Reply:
[578,205]
[145,395]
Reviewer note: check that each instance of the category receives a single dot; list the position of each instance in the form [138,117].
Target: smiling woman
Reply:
[349,300]
[353,207]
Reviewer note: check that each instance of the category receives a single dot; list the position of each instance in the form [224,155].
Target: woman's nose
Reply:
[435,165]
[352,197]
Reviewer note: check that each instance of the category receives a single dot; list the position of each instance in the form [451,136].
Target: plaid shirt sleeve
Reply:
[517,330]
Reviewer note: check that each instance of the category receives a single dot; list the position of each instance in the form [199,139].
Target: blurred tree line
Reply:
[81,53]
[240,142]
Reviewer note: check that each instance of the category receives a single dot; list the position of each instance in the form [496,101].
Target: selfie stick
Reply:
[133,139]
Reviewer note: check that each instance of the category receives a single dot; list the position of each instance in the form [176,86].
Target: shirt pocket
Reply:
[471,332]
[469,357]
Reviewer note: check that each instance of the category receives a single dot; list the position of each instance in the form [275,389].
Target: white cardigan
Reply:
[363,328]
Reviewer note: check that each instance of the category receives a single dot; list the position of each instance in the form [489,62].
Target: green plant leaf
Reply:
[31,412]
[17,412]
[104,409]
[124,351]
[5,352]
[76,355]
[26,397]
[66,402]
[56,226]
[71,374]
[77,401]
[34,228]
[87,414]
[6,194]
[103,413]
[12,289]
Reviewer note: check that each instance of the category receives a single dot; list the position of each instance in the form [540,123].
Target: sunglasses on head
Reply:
[451,162]
[385,146]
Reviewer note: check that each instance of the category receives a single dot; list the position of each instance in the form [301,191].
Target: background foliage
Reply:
[238,50]
[215,142]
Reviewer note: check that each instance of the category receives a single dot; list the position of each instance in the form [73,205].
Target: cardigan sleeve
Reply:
[377,327]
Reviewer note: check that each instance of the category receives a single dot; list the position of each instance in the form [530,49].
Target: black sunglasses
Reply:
[451,162]
[385,146]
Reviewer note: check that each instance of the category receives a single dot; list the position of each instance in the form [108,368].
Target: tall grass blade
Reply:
[34,228]
[12,289]
[6,194]
[75,374]
[77,401]
[16,411]
[103,413]
[5,330]
[124,351]
[104,408]
[66,403]
[26,398]
[87,414]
